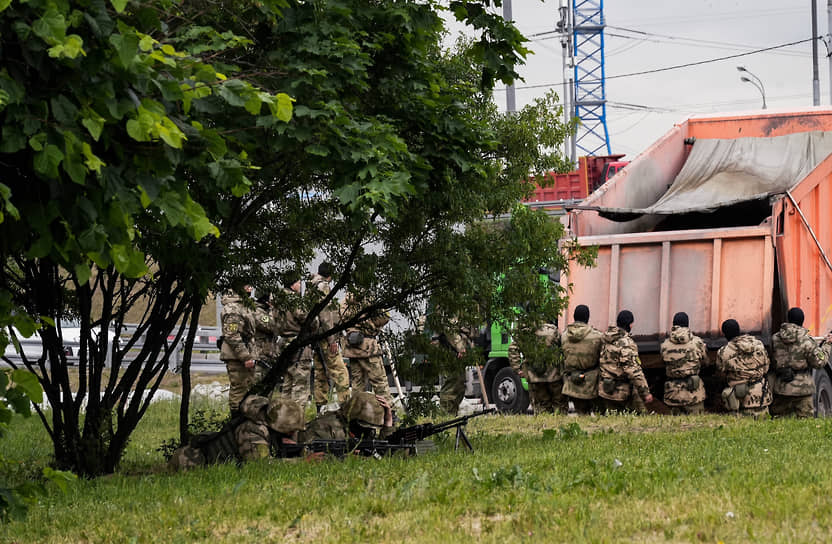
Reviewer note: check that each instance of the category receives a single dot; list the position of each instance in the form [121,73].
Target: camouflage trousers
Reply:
[792,406]
[296,381]
[370,370]
[240,380]
[335,373]
[586,406]
[691,409]
[754,412]
[548,397]
[452,392]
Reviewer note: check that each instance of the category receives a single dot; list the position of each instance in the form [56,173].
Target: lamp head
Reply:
[743,78]
[741,69]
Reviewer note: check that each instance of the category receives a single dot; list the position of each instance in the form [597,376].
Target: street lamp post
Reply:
[754,80]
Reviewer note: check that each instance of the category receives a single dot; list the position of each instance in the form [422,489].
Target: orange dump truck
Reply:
[723,217]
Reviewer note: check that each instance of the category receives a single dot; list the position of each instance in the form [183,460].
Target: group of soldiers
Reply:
[596,372]
[254,333]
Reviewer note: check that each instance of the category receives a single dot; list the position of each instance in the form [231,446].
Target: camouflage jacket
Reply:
[461,339]
[369,329]
[288,324]
[744,360]
[581,346]
[238,329]
[333,426]
[266,331]
[319,288]
[683,354]
[620,367]
[796,353]
[549,336]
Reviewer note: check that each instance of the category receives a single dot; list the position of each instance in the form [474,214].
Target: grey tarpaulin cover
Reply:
[721,173]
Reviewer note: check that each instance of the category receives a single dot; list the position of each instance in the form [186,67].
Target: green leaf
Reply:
[63,110]
[37,141]
[13,139]
[283,110]
[29,384]
[75,168]
[48,160]
[19,401]
[170,133]
[94,126]
[83,273]
[51,27]
[119,5]
[127,47]
[71,47]
[4,4]
[136,131]
[61,478]
[144,198]
[92,162]
[315,149]
[41,247]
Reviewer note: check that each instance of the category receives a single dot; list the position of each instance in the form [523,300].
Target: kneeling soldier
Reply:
[622,379]
[683,353]
[795,355]
[744,363]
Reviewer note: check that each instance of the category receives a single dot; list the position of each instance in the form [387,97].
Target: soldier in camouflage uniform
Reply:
[364,351]
[541,365]
[332,367]
[744,363]
[237,350]
[581,346]
[266,335]
[621,371]
[364,415]
[453,387]
[684,354]
[262,423]
[266,421]
[296,381]
[796,353]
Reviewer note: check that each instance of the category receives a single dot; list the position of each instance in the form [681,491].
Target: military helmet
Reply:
[363,408]
[285,415]
[254,408]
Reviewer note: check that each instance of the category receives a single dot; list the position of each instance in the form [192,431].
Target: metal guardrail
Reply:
[204,349]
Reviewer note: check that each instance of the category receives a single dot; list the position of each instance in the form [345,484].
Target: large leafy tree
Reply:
[107,138]
[151,161]
[393,159]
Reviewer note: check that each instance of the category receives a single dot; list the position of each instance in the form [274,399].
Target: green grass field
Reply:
[543,478]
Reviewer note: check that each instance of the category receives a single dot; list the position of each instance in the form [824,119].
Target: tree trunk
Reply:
[185,372]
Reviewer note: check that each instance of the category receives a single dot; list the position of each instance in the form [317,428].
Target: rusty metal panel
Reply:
[640,278]
[711,274]
[745,291]
[805,273]
[691,265]
[590,286]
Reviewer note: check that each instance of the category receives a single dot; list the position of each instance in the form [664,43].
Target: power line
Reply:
[682,40]
[674,67]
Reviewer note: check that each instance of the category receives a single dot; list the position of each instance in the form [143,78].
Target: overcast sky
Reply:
[683,31]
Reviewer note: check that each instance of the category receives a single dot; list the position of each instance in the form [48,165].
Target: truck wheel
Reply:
[823,394]
[507,392]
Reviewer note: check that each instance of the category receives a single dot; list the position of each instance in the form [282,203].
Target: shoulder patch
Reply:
[264,319]
[232,327]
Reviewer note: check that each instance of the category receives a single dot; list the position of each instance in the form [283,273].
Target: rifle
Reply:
[342,448]
[422,431]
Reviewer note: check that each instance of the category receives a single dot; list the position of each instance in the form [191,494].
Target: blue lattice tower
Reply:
[590,98]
